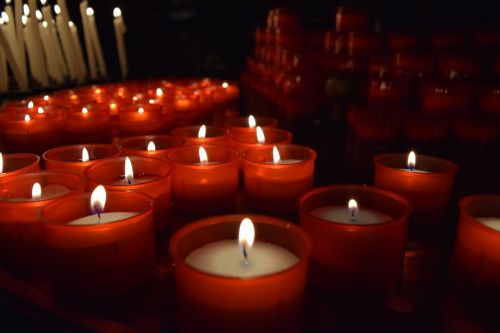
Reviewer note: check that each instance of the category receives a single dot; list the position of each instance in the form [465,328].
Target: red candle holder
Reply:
[429,193]
[476,130]
[212,303]
[21,232]
[449,40]
[18,164]
[454,66]
[151,177]
[276,186]
[214,135]
[356,258]
[446,99]
[490,100]
[240,124]
[476,261]
[388,92]
[424,129]
[89,123]
[413,65]
[138,145]
[247,139]
[405,42]
[197,187]
[69,158]
[140,119]
[100,259]
[351,19]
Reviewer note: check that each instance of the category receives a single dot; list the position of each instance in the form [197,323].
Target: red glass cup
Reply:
[240,124]
[138,145]
[18,164]
[429,193]
[351,19]
[21,232]
[89,123]
[212,303]
[247,139]
[98,260]
[356,258]
[214,135]
[69,158]
[198,187]
[276,186]
[152,177]
[476,259]
[139,119]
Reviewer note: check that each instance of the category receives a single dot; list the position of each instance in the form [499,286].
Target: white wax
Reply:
[105,218]
[491,222]
[415,170]
[135,181]
[205,164]
[341,214]
[224,258]
[48,192]
[288,161]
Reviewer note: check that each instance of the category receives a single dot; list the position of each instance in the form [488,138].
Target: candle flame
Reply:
[117,12]
[203,156]
[26,9]
[38,15]
[141,110]
[45,24]
[251,121]
[246,236]
[85,155]
[412,160]
[202,133]
[129,171]
[24,20]
[31,105]
[276,155]
[1,163]
[27,118]
[261,138]
[353,209]
[36,191]
[71,24]
[225,85]
[40,110]
[46,98]
[5,17]
[151,146]
[159,92]
[90,11]
[43,2]
[98,200]
[152,101]
[85,110]
[7,2]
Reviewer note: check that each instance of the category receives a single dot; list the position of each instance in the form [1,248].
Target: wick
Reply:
[129,181]
[98,217]
[245,254]
[353,217]
[412,168]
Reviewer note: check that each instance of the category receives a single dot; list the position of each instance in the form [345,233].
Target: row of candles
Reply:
[51,45]
[351,237]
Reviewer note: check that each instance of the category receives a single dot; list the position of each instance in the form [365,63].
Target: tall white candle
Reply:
[78,48]
[120,42]
[96,43]
[62,29]
[88,41]
[21,51]
[38,48]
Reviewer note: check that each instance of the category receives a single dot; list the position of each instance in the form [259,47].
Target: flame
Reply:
[141,110]
[27,118]
[412,160]
[261,138]
[26,9]
[46,98]
[251,121]
[40,110]
[129,171]
[202,133]
[225,85]
[90,11]
[151,146]
[85,110]
[246,235]
[159,92]
[38,15]
[98,199]
[203,156]
[45,24]
[5,17]
[31,105]
[85,155]
[276,155]
[117,12]
[43,2]
[353,209]
[36,192]
[152,101]
[71,24]
[1,163]
[24,20]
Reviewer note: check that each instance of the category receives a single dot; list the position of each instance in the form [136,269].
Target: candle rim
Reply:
[401,158]
[312,155]
[34,158]
[235,122]
[192,132]
[51,153]
[284,136]
[232,159]
[145,139]
[466,201]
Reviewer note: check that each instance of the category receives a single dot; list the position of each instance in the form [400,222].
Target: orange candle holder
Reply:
[89,123]
[240,124]
[210,187]
[356,258]
[138,145]
[18,164]
[139,119]
[69,158]
[152,177]
[248,139]
[476,259]
[21,232]
[214,135]
[429,193]
[276,186]
[97,260]
[213,303]
[445,98]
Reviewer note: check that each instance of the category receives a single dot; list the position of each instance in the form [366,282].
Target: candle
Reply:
[120,42]
[146,175]
[77,158]
[100,259]
[446,98]
[202,135]
[149,145]
[475,265]
[89,123]
[75,39]
[226,284]
[275,176]
[243,140]
[66,42]
[54,40]
[429,192]
[140,119]
[249,124]
[357,249]
[12,165]
[40,58]
[88,40]
[96,43]
[21,235]
[204,182]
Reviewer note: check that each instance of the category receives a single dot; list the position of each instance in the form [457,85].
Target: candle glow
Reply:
[159,92]
[202,133]
[246,236]
[26,9]
[27,118]
[38,15]
[251,121]
[1,163]
[98,200]
[353,209]
[261,138]
[46,98]
[412,160]
[141,110]
[36,191]
[85,110]
[203,156]
[30,105]
[276,155]
[225,85]
[151,146]
[90,11]
[129,171]
[85,155]
[40,110]
[117,12]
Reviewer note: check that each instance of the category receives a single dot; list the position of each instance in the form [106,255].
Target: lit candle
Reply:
[12,165]
[66,41]
[412,162]
[202,135]
[88,40]
[75,38]
[96,43]
[149,145]
[243,140]
[120,42]
[352,215]
[249,124]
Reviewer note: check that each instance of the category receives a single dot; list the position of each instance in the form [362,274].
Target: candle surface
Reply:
[48,192]
[341,214]
[414,170]
[224,258]
[490,221]
[134,181]
[286,161]
[105,218]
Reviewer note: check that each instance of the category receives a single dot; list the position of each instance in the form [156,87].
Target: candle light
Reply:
[428,188]
[204,180]
[243,140]
[88,40]
[21,198]
[226,284]
[96,43]
[202,135]
[12,165]
[249,124]
[143,119]
[275,176]
[150,145]
[358,248]
[103,256]
[120,42]
[146,175]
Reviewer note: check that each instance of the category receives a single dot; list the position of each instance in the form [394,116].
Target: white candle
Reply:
[120,42]
[13,63]
[78,49]
[491,222]
[88,41]
[54,41]
[63,30]
[21,52]
[104,218]
[96,43]
[38,48]
[134,181]
[224,258]
[341,214]
[4,75]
